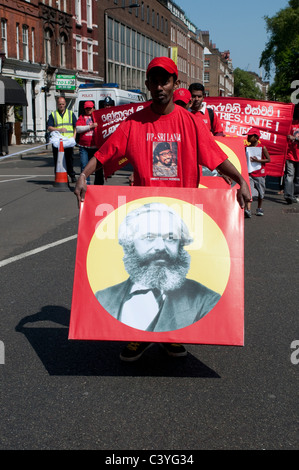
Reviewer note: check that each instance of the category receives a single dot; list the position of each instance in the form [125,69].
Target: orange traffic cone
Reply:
[61,179]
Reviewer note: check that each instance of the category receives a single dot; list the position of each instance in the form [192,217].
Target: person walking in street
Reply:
[85,131]
[136,138]
[292,160]
[63,121]
[257,157]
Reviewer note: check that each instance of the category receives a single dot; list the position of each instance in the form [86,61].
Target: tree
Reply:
[282,50]
[245,86]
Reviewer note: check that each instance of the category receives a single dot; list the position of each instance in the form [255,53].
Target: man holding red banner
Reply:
[137,137]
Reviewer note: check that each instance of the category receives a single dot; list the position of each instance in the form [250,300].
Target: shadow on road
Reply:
[61,356]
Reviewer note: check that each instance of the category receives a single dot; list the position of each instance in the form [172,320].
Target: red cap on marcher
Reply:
[88,104]
[165,63]
[182,94]
[254,131]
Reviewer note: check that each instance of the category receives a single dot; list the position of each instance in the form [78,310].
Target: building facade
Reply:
[129,37]
[85,55]
[218,69]
[186,46]
[53,46]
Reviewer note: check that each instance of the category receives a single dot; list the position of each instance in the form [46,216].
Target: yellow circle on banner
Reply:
[209,251]
[233,158]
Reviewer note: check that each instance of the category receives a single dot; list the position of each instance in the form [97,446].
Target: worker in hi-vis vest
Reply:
[64,121]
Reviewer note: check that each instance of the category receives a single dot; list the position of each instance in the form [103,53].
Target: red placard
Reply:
[234,148]
[272,118]
[215,223]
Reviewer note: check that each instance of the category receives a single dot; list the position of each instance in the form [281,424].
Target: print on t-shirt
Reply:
[165,159]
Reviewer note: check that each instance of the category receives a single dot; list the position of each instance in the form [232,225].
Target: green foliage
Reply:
[245,87]
[282,50]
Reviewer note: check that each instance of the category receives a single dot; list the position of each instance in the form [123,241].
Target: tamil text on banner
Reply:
[159,265]
[272,118]
[234,148]
[108,120]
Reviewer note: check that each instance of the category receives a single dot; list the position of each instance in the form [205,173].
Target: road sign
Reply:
[65,82]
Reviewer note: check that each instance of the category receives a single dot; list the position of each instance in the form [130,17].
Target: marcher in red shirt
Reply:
[199,109]
[257,178]
[85,128]
[137,138]
[292,160]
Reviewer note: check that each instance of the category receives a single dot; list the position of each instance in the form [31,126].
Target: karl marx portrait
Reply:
[157,296]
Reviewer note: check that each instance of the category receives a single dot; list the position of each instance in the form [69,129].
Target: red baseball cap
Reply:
[254,131]
[165,63]
[88,104]
[182,94]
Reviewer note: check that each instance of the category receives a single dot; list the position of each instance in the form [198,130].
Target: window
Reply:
[25,42]
[32,45]
[4,36]
[62,44]
[78,11]
[78,52]
[89,13]
[90,55]
[47,45]
[17,41]
[206,77]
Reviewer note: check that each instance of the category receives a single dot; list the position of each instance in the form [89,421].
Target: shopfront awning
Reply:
[11,93]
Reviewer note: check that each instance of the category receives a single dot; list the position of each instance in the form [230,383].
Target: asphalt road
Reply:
[74,395]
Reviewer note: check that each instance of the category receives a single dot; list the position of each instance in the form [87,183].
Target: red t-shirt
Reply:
[293,147]
[86,139]
[142,136]
[216,128]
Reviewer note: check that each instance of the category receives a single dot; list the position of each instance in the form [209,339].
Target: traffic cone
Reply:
[61,179]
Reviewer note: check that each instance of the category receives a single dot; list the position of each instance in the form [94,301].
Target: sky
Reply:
[235,25]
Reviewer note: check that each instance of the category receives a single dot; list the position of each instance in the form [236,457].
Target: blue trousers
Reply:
[85,155]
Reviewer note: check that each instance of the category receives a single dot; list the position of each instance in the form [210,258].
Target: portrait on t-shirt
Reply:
[165,159]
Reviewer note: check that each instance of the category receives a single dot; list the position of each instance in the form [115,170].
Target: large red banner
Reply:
[272,118]
[188,243]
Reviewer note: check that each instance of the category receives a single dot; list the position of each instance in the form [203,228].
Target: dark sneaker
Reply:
[259,212]
[133,351]
[174,349]
[247,213]
[289,200]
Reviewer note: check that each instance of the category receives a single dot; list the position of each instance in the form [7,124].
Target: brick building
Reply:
[22,47]
[85,53]
[133,37]
[186,42]
[53,46]
[218,69]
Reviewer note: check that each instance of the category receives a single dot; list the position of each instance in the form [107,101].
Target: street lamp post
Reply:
[133,5]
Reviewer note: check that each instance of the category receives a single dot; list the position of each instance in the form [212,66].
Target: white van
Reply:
[97,94]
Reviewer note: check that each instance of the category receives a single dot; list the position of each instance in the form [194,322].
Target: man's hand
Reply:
[243,194]
[80,189]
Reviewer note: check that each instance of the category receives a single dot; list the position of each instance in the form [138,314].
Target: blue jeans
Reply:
[85,155]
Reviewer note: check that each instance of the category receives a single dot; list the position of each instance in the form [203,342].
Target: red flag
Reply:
[272,118]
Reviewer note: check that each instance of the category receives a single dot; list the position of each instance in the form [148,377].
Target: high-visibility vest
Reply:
[64,121]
